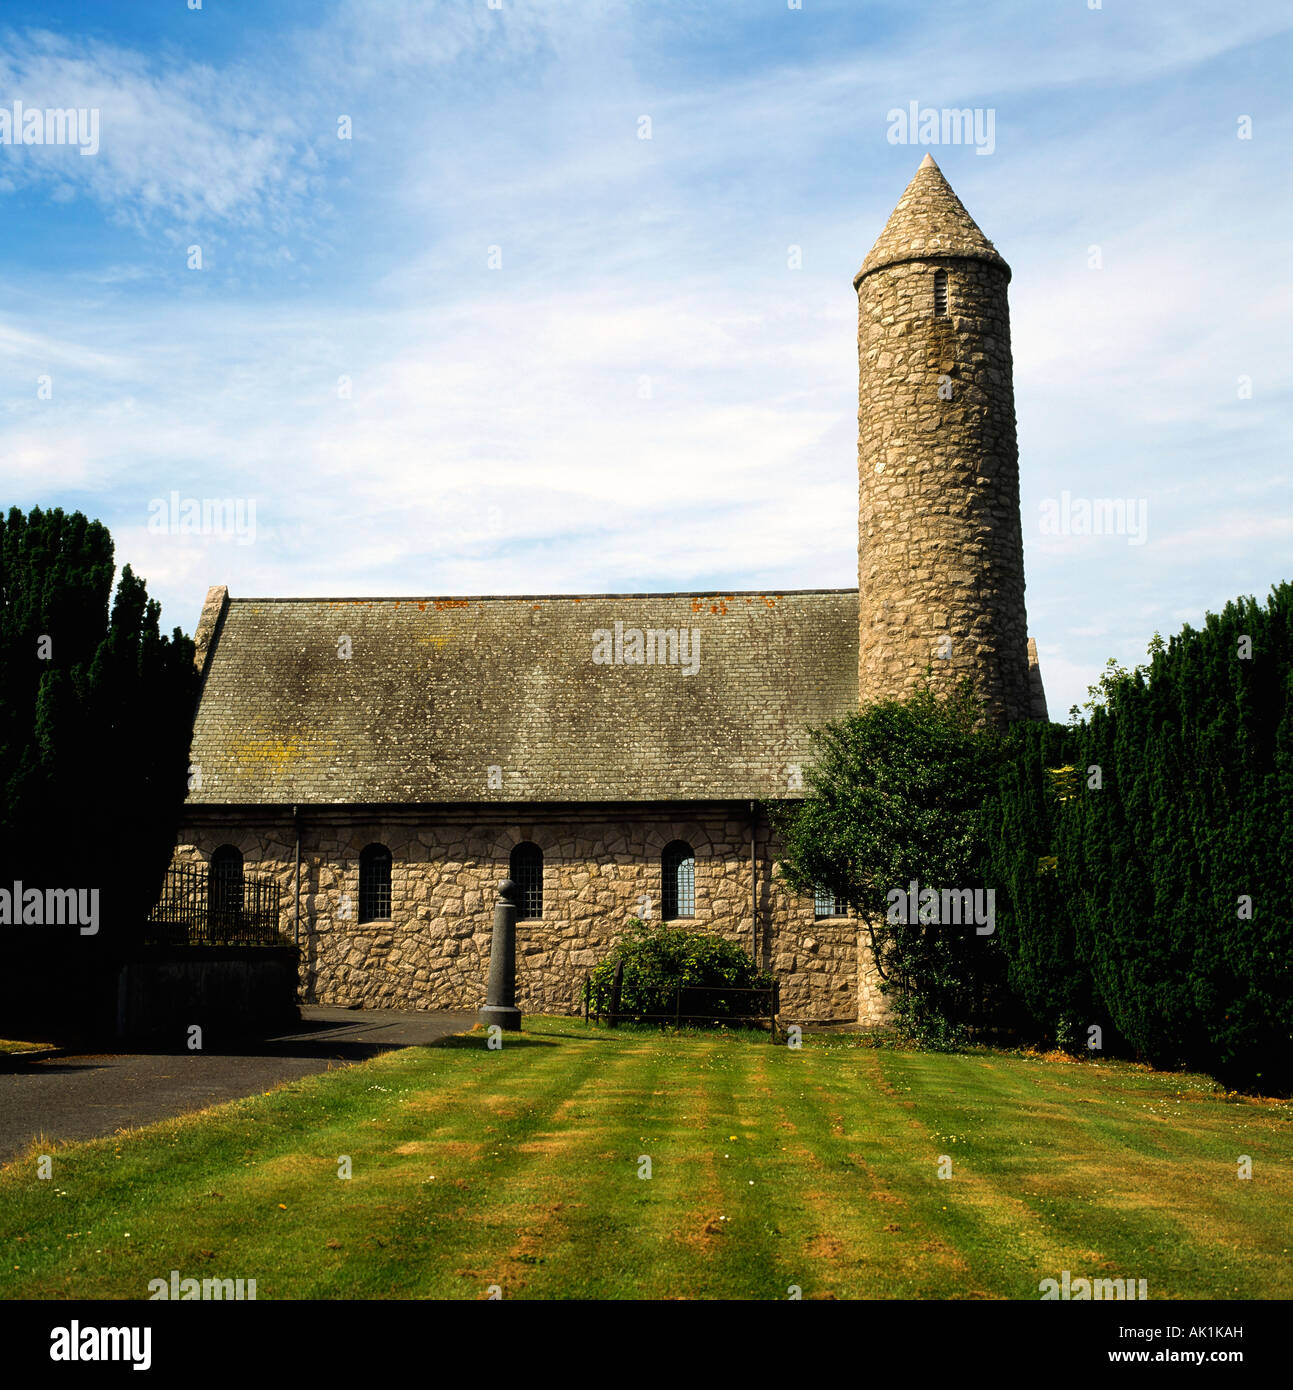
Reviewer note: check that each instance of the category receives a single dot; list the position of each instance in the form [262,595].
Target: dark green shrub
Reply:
[896,793]
[1177,852]
[659,957]
[96,713]
[1036,782]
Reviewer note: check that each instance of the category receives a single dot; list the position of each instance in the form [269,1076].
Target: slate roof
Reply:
[438,691]
[929,222]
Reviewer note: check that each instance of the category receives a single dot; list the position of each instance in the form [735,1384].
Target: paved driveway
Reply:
[95,1094]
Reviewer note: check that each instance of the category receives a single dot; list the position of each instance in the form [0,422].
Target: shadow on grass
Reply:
[541,1037]
[479,1042]
[639,1032]
[343,1040]
[335,1040]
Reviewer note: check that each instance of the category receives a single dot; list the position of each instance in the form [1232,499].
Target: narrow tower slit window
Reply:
[940,294]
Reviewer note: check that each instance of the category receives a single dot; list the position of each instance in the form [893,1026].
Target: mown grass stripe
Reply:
[1101,1169]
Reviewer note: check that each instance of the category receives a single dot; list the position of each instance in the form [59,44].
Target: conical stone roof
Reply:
[929,221]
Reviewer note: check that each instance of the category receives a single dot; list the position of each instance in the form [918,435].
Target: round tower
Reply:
[940,545]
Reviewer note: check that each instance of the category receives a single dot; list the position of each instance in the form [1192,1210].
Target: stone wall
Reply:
[600,868]
[162,993]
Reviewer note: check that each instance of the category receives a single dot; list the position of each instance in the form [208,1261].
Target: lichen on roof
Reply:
[438,700]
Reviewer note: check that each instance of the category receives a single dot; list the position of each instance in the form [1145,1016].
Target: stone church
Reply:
[389,760]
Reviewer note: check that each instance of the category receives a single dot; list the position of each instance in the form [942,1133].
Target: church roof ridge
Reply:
[929,222]
[521,598]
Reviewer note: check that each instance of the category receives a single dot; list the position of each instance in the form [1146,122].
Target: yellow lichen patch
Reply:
[280,751]
[443,603]
[437,642]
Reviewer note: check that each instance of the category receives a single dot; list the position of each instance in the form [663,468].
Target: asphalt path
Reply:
[91,1095]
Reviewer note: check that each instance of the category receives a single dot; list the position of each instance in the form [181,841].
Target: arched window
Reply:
[678,870]
[526,870]
[824,904]
[374,883]
[224,880]
[940,294]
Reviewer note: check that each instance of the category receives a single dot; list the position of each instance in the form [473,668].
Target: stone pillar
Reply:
[500,1002]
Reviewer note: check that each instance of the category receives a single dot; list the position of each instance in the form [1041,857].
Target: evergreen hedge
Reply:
[1142,860]
[1176,854]
[96,713]
[1035,927]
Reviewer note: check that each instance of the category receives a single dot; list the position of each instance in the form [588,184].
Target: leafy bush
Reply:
[896,793]
[658,958]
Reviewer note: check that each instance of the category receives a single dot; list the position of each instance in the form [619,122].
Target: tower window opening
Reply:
[940,294]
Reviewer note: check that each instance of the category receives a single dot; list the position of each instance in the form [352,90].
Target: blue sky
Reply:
[641,393]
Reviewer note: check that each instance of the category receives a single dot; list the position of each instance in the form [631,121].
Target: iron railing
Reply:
[202,906]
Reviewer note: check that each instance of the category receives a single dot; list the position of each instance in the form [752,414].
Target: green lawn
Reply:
[816,1168]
